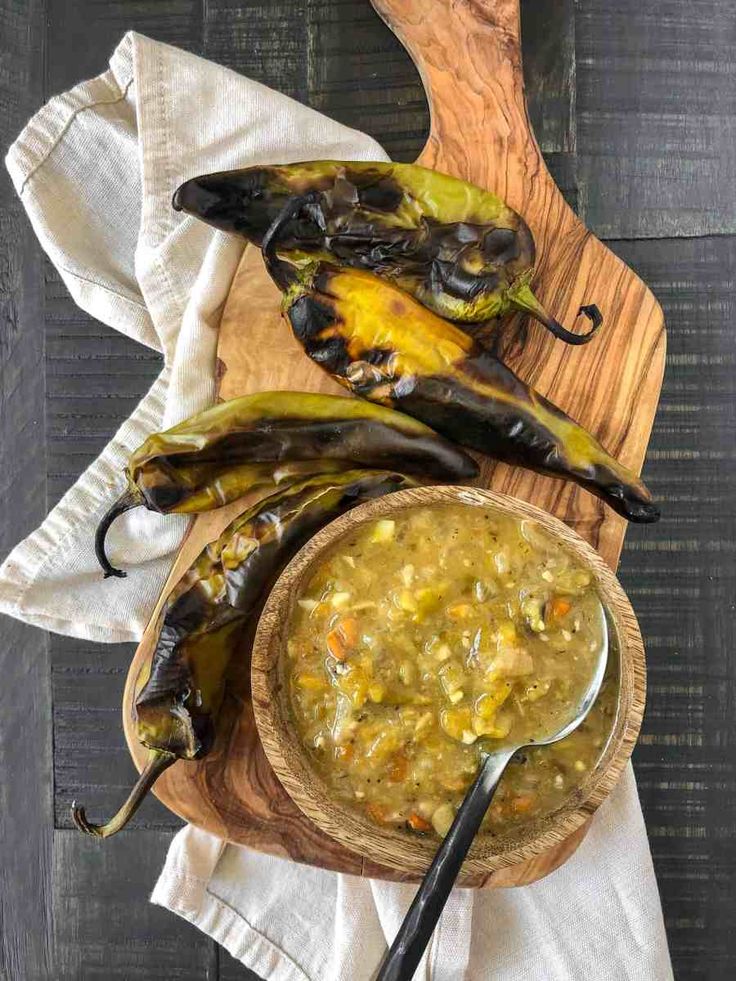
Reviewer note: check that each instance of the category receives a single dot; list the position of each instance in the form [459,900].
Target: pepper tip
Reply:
[80,820]
[644,514]
[158,761]
[113,573]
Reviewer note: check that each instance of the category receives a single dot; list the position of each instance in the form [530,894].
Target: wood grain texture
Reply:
[656,117]
[479,131]
[482,95]
[550,73]
[682,583]
[399,849]
[104,927]
[94,377]
[25,705]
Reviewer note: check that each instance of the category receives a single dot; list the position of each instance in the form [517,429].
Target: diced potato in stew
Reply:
[421,641]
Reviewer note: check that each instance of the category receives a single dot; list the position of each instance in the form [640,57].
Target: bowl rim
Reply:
[399,849]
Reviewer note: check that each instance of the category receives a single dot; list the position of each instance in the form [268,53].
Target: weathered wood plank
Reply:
[548,50]
[265,41]
[95,377]
[25,709]
[104,927]
[549,63]
[656,117]
[232,970]
[682,582]
[360,74]
[83,33]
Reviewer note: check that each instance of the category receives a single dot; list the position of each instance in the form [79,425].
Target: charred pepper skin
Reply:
[206,620]
[222,453]
[458,249]
[384,346]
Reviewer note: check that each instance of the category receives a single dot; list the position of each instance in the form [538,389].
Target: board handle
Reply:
[468,54]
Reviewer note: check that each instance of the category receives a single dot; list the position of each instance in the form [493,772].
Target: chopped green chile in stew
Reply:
[425,638]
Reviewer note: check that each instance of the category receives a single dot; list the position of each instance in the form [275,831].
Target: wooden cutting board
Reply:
[469,57]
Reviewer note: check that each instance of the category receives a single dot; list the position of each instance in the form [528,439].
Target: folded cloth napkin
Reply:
[95,169]
[597,917]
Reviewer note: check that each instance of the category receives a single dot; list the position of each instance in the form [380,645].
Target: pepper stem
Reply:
[159,760]
[125,502]
[522,298]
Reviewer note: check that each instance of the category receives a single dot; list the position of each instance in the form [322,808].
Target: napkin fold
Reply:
[597,917]
[95,169]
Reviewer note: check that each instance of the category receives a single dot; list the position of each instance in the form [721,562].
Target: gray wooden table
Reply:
[634,102]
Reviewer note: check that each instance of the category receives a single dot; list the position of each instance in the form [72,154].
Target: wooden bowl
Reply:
[402,850]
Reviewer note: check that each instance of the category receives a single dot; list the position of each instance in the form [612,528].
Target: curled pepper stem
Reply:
[523,299]
[159,760]
[124,503]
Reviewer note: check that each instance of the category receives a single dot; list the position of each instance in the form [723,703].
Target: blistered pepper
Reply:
[224,452]
[381,344]
[458,249]
[206,620]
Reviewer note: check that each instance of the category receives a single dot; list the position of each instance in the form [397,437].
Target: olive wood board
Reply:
[469,57]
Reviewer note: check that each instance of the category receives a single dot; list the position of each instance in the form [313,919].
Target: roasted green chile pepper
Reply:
[381,344]
[206,619]
[270,437]
[458,249]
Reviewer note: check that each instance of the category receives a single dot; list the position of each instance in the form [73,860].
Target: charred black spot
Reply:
[163,498]
[308,317]
[453,279]
[384,195]
[331,352]
[501,245]
[378,356]
[189,611]
[323,278]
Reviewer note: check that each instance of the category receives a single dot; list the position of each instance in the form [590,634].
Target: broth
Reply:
[421,640]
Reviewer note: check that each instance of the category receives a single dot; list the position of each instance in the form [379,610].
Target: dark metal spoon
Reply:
[414,934]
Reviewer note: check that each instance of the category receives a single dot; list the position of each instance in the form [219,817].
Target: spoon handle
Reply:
[402,959]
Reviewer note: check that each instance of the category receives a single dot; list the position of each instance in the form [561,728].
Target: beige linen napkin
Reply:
[597,918]
[95,169]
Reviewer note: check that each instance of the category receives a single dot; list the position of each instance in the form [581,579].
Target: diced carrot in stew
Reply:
[558,608]
[343,638]
[348,627]
[417,822]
